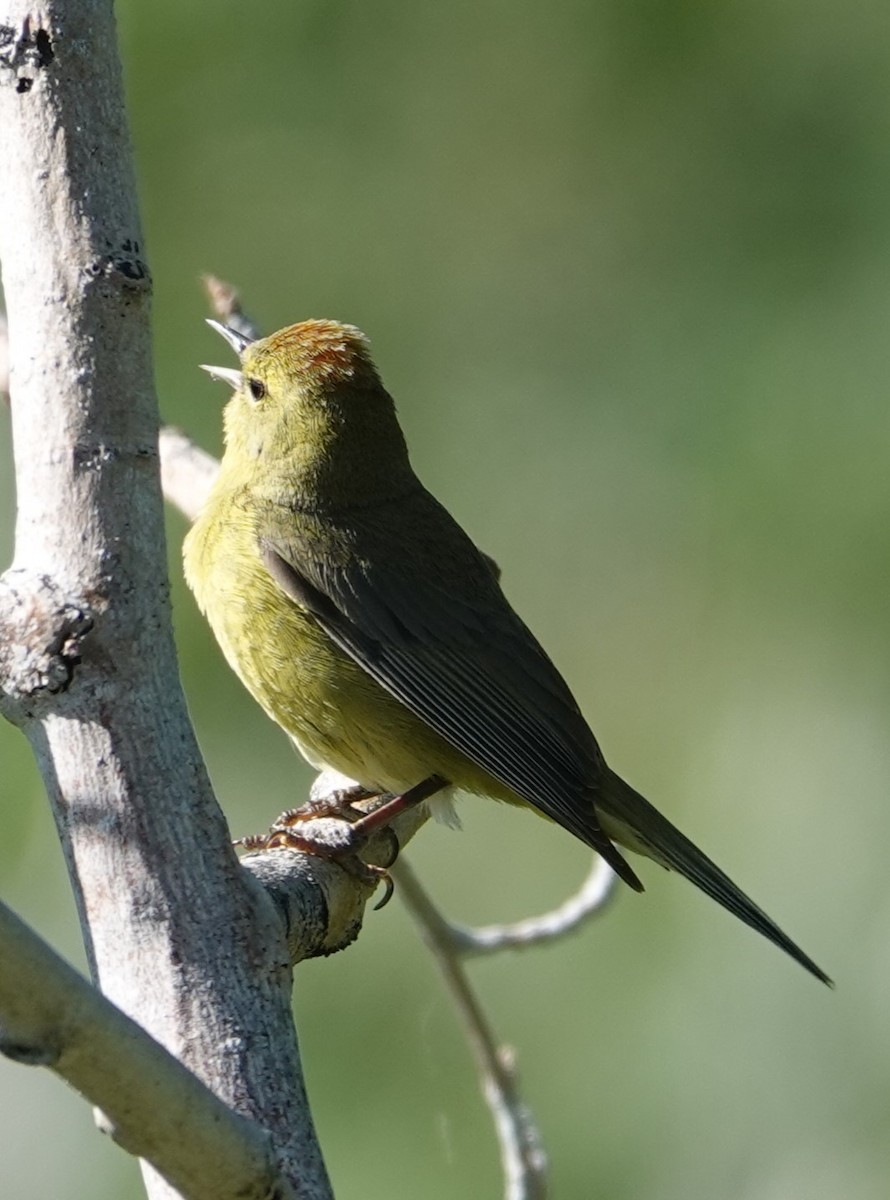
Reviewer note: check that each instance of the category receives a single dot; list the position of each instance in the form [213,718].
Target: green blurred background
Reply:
[626,269]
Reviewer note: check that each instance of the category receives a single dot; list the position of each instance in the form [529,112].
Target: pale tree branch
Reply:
[52,1017]
[178,936]
[4,359]
[187,471]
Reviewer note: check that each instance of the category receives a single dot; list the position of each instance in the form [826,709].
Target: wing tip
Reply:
[619,864]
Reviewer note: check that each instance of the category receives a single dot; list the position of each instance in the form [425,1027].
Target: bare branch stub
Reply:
[41,640]
[316,876]
[225,301]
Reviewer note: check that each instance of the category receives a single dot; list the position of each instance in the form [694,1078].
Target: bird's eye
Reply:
[257,388]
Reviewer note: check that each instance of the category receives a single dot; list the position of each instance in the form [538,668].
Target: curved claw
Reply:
[390,886]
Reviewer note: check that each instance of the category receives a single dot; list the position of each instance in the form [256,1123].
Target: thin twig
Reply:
[590,900]
[187,471]
[225,301]
[522,1155]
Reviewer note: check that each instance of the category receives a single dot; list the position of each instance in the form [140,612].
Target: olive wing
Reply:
[450,648]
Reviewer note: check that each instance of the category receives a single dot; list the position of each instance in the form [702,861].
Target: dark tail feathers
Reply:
[633,822]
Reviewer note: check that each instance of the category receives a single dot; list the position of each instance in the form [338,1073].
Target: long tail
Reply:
[633,822]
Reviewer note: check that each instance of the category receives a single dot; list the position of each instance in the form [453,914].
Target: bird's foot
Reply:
[333,833]
[341,803]
[333,828]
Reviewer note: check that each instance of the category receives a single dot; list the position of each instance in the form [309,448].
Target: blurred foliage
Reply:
[626,269]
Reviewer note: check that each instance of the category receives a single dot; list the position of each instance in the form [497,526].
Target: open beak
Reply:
[227,374]
[238,341]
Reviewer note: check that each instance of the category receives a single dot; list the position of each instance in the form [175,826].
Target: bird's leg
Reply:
[392,808]
[340,804]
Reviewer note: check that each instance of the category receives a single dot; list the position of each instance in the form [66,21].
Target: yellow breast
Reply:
[332,709]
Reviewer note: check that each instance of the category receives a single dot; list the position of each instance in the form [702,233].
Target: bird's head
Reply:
[309,407]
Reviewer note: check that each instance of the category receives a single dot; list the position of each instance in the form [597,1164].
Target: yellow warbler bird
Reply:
[370,627]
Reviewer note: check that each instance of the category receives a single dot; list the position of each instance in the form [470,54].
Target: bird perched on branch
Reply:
[369,626]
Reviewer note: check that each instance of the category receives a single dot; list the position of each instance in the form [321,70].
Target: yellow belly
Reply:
[332,709]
